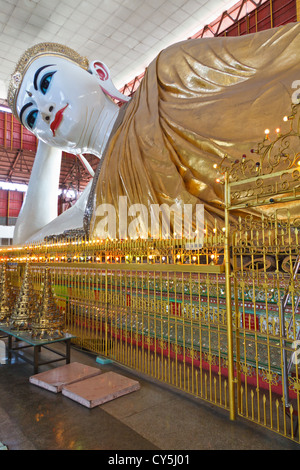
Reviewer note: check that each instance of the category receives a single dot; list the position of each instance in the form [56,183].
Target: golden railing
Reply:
[266,330]
[264,289]
[163,310]
[151,305]
[220,321]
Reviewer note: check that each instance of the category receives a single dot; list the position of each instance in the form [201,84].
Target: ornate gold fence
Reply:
[264,279]
[163,311]
[266,322]
[151,305]
[221,321]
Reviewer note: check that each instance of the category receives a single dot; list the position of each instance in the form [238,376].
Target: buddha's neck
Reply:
[99,128]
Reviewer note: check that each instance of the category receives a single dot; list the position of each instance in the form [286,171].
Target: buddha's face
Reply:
[57,100]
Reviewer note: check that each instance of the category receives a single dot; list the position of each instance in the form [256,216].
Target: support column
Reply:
[298,9]
[231,379]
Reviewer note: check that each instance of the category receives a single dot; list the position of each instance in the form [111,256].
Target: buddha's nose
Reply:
[47,112]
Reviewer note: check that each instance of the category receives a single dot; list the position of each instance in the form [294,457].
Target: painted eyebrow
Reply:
[24,108]
[37,74]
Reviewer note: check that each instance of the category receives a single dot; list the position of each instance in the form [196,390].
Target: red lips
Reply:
[57,120]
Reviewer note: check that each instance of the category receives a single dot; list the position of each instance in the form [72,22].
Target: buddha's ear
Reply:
[102,73]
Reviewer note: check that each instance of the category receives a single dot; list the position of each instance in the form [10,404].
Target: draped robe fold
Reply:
[199,100]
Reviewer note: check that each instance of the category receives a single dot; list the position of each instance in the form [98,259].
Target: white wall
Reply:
[6,231]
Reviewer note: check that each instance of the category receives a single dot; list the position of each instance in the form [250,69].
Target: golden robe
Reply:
[199,100]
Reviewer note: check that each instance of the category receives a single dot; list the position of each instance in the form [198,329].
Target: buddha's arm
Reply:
[40,204]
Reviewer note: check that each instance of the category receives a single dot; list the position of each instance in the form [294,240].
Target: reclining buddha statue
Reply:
[199,100]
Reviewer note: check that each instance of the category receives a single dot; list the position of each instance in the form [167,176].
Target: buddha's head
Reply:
[55,93]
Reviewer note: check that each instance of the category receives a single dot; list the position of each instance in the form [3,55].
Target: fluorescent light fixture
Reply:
[13,186]
[5,109]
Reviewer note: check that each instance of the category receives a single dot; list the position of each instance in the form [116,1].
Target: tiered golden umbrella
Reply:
[48,321]
[6,295]
[26,304]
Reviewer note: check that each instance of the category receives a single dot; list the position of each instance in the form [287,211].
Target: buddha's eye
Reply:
[31,118]
[45,82]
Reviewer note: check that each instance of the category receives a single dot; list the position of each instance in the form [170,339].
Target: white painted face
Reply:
[56,101]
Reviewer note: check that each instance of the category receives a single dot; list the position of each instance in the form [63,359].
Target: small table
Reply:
[37,344]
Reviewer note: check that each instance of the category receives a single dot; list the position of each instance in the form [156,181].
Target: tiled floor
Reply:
[151,418]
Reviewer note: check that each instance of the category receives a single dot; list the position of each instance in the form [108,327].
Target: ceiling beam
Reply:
[8,178]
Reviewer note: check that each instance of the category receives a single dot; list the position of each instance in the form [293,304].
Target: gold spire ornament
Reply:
[6,295]
[24,308]
[48,322]
[34,52]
